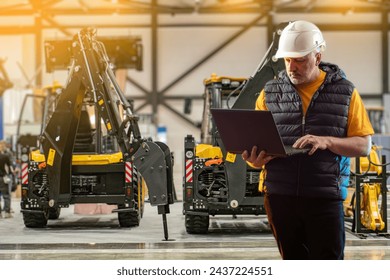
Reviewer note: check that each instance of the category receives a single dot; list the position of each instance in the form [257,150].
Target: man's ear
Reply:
[318,58]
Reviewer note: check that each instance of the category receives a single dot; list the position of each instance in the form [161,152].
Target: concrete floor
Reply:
[97,237]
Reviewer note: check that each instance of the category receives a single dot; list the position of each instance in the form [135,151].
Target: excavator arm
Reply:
[268,68]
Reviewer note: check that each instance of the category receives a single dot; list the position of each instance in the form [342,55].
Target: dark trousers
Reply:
[4,190]
[307,228]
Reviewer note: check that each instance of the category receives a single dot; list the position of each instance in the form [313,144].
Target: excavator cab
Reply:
[36,110]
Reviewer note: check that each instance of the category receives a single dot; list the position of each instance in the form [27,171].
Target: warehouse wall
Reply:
[357,53]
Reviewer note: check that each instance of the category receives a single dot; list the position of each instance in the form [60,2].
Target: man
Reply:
[314,106]
[5,169]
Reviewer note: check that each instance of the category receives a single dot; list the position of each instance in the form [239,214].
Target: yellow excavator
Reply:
[366,202]
[91,149]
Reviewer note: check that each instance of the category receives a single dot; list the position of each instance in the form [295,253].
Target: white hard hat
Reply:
[299,38]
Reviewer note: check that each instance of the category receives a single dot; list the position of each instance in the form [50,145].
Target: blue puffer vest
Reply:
[323,174]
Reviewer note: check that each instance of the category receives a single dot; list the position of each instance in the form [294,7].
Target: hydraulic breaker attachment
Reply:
[371,217]
[153,161]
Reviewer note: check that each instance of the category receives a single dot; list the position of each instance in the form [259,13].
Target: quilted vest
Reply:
[323,174]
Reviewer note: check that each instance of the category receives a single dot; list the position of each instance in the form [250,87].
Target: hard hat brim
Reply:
[282,54]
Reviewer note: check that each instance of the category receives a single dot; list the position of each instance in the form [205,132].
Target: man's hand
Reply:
[315,142]
[256,160]
[354,146]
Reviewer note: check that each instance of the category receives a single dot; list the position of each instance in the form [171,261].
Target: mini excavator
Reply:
[217,182]
[91,149]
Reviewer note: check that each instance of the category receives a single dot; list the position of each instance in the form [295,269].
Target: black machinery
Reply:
[91,149]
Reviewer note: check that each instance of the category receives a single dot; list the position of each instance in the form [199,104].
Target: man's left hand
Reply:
[315,142]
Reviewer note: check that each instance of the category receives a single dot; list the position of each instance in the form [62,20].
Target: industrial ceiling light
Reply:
[196,4]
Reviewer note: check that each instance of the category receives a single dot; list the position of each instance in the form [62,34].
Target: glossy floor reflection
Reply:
[96,237]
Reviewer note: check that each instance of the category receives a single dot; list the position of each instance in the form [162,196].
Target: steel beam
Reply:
[187,10]
[38,50]
[213,52]
[154,94]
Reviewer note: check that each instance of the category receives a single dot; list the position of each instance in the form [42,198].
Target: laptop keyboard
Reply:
[293,151]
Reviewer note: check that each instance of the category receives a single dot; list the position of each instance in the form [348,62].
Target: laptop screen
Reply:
[242,129]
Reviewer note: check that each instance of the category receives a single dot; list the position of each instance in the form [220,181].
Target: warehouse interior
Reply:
[166,57]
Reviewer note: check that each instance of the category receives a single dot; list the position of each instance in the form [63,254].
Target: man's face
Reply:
[302,70]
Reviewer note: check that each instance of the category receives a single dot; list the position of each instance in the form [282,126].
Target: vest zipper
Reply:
[300,159]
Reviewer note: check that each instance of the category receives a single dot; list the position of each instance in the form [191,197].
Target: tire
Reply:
[35,220]
[129,219]
[54,213]
[133,217]
[197,224]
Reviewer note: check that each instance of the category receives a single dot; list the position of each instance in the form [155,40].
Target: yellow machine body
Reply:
[208,151]
[370,216]
[84,159]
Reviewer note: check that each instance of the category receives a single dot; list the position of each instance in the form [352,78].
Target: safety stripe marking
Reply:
[129,172]
[189,171]
[24,173]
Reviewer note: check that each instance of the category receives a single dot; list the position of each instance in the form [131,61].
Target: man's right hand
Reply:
[255,159]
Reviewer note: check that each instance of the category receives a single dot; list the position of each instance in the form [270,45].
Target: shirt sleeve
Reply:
[260,102]
[358,121]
